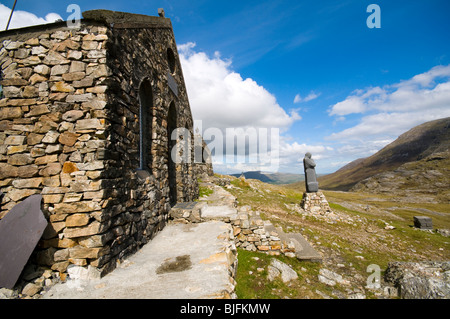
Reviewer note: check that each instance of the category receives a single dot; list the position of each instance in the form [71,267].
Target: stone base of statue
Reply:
[315,202]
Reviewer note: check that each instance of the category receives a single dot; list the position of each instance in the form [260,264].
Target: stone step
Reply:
[187,212]
[200,211]
[303,250]
[218,211]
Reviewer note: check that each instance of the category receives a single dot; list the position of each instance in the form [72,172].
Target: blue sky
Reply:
[312,68]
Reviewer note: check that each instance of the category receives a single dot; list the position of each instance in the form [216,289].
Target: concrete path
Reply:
[183,261]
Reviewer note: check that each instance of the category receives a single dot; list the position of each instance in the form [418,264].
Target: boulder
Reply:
[287,273]
[420,280]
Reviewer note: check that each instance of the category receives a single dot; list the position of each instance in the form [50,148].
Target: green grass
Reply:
[253,284]
[204,191]
[355,245]
[334,206]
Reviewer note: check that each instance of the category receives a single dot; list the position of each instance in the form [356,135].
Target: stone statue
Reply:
[310,174]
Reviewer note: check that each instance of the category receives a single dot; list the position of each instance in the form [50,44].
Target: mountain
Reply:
[417,146]
[272,178]
[425,180]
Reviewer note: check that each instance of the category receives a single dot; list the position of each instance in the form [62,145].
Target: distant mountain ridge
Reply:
[415,145]
[272,178]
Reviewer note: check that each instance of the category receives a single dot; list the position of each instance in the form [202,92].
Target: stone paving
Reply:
[194,256]
[184,261]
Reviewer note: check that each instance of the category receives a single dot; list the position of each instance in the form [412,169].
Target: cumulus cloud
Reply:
[221,98]
[352,104]
[285,157]
[383,113]
[393,109]
[291,155]
[22,19]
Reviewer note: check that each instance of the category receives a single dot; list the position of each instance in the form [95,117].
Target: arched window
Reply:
[171,60]
[145,125]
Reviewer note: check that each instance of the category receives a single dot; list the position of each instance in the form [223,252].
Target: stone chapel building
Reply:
[86,119]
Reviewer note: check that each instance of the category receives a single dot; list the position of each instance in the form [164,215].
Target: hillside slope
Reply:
[415,145]
[426,180]
[361,230]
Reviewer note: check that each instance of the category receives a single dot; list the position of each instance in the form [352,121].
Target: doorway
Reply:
[171,126]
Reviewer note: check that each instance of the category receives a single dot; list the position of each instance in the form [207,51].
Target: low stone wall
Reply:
[249,229]
[250,234]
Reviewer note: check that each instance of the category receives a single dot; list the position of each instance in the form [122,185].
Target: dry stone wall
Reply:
[70,130]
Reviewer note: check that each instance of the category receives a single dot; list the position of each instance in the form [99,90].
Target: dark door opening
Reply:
[171,126]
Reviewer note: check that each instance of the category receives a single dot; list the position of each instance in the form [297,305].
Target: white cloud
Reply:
[295,116]
[221,98]
[387,125]
[291,155]
[22,19]
[352,104]
[289,158]
[393,109]
[311,96]
[428,78]
[388,111]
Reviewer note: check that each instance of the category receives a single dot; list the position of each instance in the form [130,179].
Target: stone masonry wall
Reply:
[135,55]
[69,130]
[53,124]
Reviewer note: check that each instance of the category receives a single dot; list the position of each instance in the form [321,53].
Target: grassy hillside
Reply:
[426,180]
[354,236]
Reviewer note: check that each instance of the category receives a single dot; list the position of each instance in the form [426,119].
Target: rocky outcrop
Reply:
[420,280]
[426,180]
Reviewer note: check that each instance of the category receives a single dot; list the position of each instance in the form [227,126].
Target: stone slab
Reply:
[185,205]
[172,84]
[220,211]
[20,231]
[303,250]
[183,261]
[423,222]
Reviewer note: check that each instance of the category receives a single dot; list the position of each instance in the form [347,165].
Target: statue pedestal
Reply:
[315,202]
